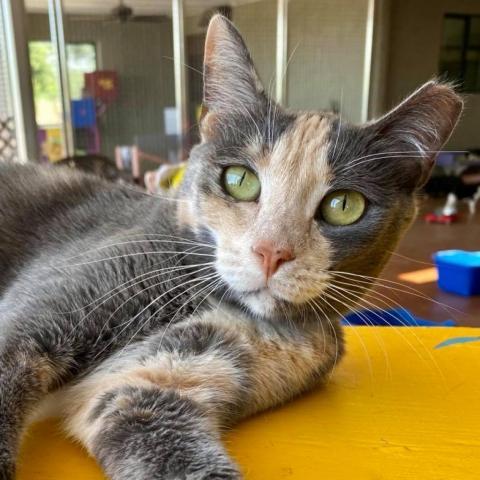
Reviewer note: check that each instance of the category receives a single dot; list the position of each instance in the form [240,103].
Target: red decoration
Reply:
[434,217]
[102,85]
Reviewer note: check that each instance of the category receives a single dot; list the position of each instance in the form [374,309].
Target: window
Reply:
[460,52]
[81,58]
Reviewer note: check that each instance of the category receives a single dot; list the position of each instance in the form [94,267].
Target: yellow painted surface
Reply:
[395,408]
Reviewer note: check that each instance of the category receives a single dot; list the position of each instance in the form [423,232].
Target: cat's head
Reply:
[299,205]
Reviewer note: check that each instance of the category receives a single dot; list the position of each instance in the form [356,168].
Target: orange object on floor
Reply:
[419,277]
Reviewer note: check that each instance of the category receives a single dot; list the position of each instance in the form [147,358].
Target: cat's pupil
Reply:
[344,203]
[242,179]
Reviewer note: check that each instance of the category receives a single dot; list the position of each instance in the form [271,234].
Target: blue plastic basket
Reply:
[458,271]
[83,113]
[391,317]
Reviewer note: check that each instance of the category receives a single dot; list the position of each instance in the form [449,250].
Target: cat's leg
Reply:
[27,374]
[10,425]
[155,411]
[150,433]
[39,352]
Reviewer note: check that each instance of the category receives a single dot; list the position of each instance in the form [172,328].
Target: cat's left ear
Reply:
[231,83]
[420,125]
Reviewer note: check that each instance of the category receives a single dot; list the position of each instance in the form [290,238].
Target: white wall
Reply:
[257,22]
[329,37]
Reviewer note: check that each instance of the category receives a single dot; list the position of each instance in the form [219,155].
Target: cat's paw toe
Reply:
[7,470]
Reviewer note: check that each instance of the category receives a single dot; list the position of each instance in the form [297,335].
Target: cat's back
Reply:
[43,208]
[34,189]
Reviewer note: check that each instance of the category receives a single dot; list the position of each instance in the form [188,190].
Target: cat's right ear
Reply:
[231,83]
[420,125]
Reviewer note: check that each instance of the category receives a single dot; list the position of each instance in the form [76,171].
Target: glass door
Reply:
[121,82]
[47,93]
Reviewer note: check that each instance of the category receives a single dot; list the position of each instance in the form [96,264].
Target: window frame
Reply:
[83,42]
[465,47]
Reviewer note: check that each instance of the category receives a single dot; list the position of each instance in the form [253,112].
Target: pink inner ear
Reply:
[208,125]
[216,29]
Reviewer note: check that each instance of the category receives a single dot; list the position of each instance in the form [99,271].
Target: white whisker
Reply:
[154,252]
[196,282]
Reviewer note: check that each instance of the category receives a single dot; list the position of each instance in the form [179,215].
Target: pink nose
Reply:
[272,256]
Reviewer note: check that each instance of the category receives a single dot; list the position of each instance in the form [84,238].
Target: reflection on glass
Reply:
[45,83]
[120,70]
[81,59]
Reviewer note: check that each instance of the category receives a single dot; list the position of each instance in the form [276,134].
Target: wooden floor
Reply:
[415,253]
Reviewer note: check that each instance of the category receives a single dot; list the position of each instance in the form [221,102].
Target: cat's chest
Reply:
[219,359]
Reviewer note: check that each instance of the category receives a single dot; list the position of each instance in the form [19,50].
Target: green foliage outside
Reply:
[43,65]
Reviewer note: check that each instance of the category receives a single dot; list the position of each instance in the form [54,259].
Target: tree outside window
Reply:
[81,59]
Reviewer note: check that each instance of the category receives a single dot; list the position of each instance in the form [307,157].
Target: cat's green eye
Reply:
[342,207]
[241,183]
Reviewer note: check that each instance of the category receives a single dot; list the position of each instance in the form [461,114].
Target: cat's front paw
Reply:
[151,434]
[7,468]
[7,449]
[225,470]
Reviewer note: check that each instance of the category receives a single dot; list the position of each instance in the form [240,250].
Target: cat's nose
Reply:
[272,256]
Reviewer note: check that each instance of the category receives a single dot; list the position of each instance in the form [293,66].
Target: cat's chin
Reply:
[260,302]
[267,302]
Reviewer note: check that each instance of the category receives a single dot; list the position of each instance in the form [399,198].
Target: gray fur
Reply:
[133,445]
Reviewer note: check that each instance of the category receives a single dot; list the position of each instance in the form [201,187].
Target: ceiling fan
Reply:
[122,13]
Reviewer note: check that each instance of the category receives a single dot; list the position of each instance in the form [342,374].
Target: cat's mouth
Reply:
[260,292]
[266,297]
[266,289]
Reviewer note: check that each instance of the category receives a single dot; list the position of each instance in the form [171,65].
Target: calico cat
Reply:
[150,324]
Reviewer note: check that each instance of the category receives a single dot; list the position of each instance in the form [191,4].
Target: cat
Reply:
[95,164]
[150,324]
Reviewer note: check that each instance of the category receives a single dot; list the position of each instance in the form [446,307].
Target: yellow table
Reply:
[395,408]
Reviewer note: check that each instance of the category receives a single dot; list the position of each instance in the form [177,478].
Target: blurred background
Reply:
[115,87]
